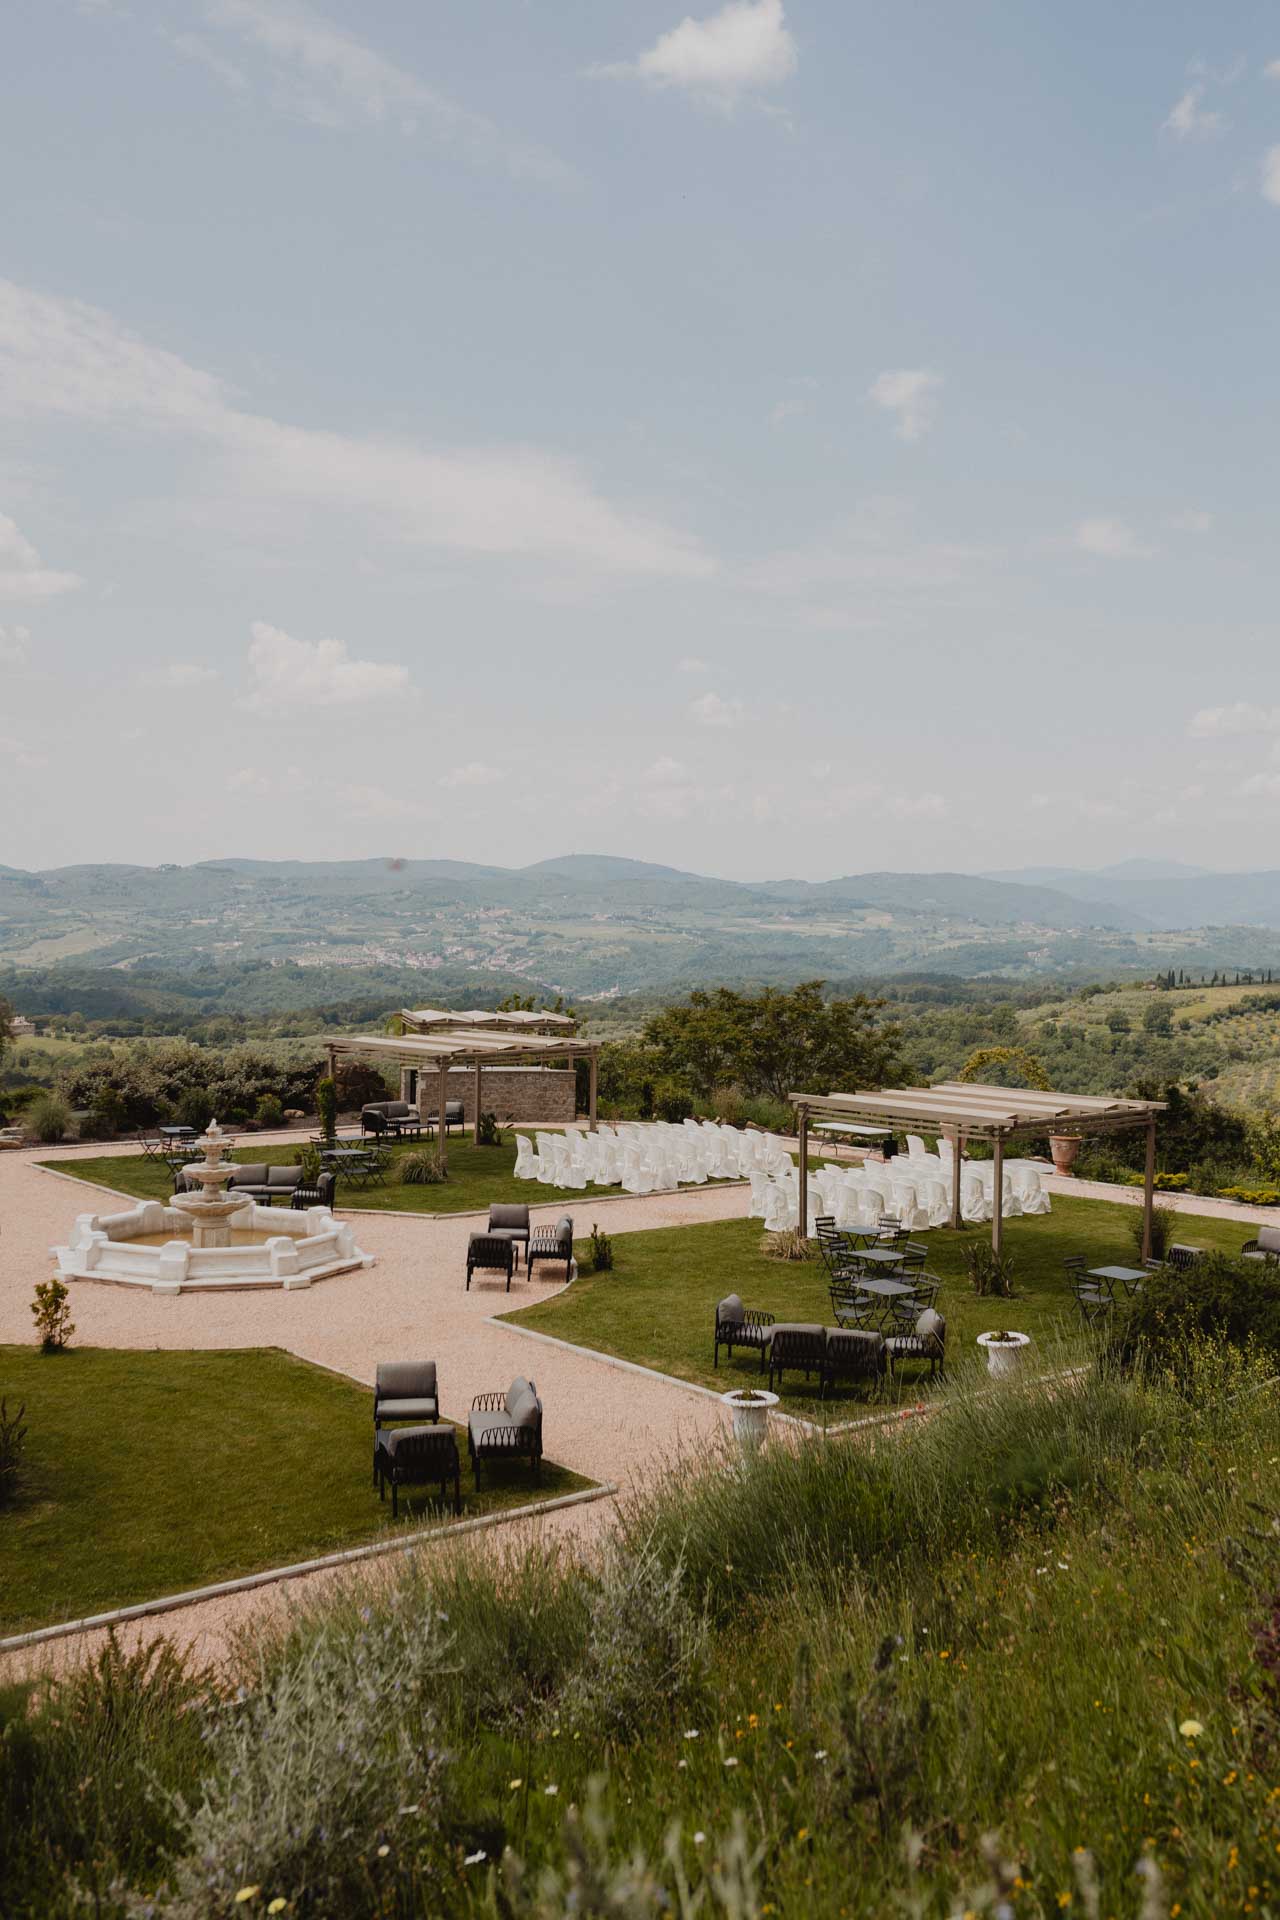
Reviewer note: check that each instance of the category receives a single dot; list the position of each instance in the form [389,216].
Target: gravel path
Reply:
[600,1421]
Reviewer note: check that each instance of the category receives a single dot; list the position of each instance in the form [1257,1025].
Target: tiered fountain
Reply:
[215,1238]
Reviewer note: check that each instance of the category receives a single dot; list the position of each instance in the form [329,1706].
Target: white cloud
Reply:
[1227,723]
[692,664]
[332,79]
[744,49]
[375,803]
[1113,539]
[1260,786]
[910,394]
[182,673]
[476,773]
[286,673]
[664,772]
[1188,120]
[709,710]
[1271,176]
[64,358]
[1192,520]
[273,783]
[23,576]
[13,645]
[192,47]
[1272,69]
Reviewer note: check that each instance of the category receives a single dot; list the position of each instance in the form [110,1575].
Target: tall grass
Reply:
[1019,1658]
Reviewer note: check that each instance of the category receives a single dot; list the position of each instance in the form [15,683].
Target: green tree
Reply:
[6,1026]
[1005,1067]
[774,1043]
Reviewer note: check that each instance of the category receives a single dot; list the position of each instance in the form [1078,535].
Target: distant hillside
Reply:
[595,926]
[1168,896]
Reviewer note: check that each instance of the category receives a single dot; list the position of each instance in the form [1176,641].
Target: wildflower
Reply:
[803,1834]
[698,1839]
[753,1720]
[681,1763]
[691,1733]
[247,1893]
[731,1761]
[514,1784]
[550,1790]
[1064,1899]
[1190,1729]
[821,1754]
[1063,1567]
[383,1851]
[412,1809]
[475,1859]
[277,1905]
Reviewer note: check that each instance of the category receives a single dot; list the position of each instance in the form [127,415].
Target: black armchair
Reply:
[551,1243]
[739,1326]
[491,1252]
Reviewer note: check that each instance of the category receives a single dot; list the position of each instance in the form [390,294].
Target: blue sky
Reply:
[774,440]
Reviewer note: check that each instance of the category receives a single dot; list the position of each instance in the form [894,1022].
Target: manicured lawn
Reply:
[657,1306]
[147,1473]
[478,1176]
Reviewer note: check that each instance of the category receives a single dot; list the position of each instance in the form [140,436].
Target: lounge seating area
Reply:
[1265,1246]
[394,1117]
[412,1446]
[267,1185]
[861,1355]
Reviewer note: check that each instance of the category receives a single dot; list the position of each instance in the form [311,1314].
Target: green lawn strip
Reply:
[149,1473]
[657,1306]
[478,1177]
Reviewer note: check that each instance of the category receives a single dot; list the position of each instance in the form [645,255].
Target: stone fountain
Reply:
[216,1238]
[211,1209]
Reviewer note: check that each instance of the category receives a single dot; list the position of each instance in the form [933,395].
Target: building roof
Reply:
[465,1046]
[516,1020]
[982,1112]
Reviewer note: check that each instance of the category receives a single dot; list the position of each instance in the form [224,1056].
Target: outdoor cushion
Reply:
[521,1399]
[254,1175]
[425,1408]
[731,1309]
[931,1328]
[796,1326]
[511,1218]
[405,1380]
[481,1423]
[404,1438]
[284,1176]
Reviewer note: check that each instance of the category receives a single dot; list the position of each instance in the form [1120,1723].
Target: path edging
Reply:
[349,1556]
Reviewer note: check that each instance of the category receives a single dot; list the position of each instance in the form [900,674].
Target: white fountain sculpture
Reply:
[215,1238]
[211,1209]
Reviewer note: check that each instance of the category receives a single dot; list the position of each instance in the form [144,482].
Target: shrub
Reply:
[645,1647]
[359,1083]
[488,1133]
[990,1273]
[790,1244]
[1215,1298]
[269,1112]
[195,1109]
[52,1315]
[422,1168]
[48,1117]
[600,1252]
[308,1158]
[1164,1222]
[672,1101]
[108,1114]
[327,1106]
[13,1438]
[1252,1196]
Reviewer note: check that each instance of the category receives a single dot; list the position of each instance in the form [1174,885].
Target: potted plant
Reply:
[1065,1148]
[1004,1351]
[750,1408]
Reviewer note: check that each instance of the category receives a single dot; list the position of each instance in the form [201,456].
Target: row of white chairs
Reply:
[648,1156]
[856,1197]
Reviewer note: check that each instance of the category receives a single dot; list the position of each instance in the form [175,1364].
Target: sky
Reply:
[784,439]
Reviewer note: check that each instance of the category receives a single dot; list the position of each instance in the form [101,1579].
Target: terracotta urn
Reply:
[1064,1147]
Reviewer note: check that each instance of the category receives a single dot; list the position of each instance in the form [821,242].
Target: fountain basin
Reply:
[154,1246]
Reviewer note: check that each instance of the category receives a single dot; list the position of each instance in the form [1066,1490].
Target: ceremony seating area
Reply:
[652,1156]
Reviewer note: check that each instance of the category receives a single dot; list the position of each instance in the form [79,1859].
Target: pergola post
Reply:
[997,1197]
[957,1162]
[803,1210]
[441,1104]
[475,1135]
[1148,1187]
[592,1097]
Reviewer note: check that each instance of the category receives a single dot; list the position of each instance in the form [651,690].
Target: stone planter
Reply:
[1004,1357]
[1065,1148]
[750,1411]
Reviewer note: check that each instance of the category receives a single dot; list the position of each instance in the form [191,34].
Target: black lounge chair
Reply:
[415,1457]
[739,1326]
[511,1220]
[927,1340]
[403,1390]
[1265,1247]
[852,1353]
[504,1426]
[551,1243]
[492,1253]
[796,1344]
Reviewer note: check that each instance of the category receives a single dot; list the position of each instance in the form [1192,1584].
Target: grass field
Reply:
[657,1306]
[147,1473]
[478,1177]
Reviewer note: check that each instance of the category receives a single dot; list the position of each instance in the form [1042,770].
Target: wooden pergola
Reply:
[957,1111]
[445,1048]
